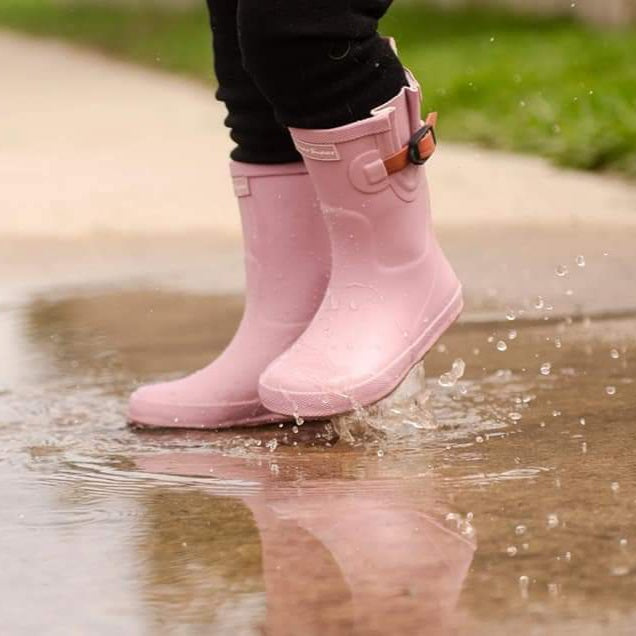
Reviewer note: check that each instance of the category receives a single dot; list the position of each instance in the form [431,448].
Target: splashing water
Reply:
[456,373]
[462,524]
[404,411]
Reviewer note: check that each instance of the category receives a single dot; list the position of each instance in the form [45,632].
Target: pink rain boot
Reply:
[287,264]
[392,292]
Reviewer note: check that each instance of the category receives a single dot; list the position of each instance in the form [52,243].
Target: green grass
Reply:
[171,40]
[552,87]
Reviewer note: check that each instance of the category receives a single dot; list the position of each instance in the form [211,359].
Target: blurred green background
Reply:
[554,85]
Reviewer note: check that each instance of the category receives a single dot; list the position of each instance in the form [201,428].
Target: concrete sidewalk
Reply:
[91,146]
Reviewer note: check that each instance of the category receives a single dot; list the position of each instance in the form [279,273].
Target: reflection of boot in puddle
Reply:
[342,556]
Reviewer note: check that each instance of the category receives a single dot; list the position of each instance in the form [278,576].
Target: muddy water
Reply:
[497,501]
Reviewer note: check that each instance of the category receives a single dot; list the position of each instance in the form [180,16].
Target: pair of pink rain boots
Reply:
[347,287]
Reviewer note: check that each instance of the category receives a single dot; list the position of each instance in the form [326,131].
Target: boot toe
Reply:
[165,405]
[159,405]
[292,388]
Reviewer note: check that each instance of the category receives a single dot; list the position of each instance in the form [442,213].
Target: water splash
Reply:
[456,373]
[404,411]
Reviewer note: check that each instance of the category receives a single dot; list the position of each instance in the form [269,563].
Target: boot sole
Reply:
[164,423]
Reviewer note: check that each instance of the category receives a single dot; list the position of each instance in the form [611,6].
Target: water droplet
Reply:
[546,368]
[511,315]
[479,439]
[615,354]
[380,452]
[582,421]
[466,529]
[615,486]
[553,521]
[515,417]
[512,334]
[520,530]
[272,445]
[610,390]
[580,260]
[553,589]
[511,550]
[620,570]
[561,271]
[524,584]
[458,368]
[623,543]
[295,429]
[539,303]
[502,346]
[457,371]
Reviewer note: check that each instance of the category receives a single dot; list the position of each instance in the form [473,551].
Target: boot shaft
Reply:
[363,202]
[286,246]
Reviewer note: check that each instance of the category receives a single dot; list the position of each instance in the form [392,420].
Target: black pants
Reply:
[299,63]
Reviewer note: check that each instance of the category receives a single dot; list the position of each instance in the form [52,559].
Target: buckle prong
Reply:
[414,144]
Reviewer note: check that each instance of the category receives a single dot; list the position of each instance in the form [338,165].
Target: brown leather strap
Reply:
[426,147]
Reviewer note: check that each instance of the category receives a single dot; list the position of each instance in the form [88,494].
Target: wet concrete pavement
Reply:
[501,501]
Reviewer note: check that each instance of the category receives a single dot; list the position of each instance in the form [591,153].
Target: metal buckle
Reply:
[414,145]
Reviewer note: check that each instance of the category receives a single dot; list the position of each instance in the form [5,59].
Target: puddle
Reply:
[498,498]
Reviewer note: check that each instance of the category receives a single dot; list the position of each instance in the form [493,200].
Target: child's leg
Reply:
[259,137]
[321,63]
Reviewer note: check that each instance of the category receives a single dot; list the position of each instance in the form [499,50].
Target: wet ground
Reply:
[495,494]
